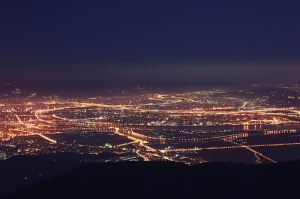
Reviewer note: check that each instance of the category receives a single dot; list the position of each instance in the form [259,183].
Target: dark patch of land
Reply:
[170,180]
[19,171]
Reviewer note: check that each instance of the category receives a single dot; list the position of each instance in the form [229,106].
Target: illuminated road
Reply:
[234,147]
[230,147]
[32,133]
[252,150]
[141,155]
[41,135]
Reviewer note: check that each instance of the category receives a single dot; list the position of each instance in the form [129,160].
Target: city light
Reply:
[176,126]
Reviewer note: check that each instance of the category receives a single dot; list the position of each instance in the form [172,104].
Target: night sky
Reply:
[98,44]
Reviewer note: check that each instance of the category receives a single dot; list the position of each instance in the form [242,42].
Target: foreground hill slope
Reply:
[23,170]
[170,180]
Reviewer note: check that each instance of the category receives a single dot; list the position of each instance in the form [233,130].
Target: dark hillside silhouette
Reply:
[170,180]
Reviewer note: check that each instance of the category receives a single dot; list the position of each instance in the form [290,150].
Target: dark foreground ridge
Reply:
[19,171]
[170,180]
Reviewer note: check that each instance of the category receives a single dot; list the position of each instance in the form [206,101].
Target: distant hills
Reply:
[169,180]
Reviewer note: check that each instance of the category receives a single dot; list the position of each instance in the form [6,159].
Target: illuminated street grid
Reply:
[177,127]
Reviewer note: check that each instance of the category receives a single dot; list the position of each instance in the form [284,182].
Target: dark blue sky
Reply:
[95,42]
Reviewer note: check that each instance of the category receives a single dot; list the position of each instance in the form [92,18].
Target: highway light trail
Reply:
[252,150]
[32,133]
[230,147]
[41,135]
